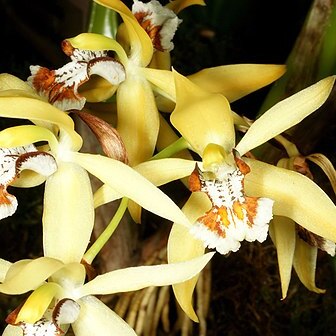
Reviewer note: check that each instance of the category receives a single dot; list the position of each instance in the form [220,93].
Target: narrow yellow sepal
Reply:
[235,81]
[283,234]
[183,246]
[285,114]
[305,265]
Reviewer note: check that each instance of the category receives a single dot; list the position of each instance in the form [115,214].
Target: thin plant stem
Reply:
[96,247]
[172,149]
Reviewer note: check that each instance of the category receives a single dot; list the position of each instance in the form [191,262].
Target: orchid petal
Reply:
[202,117]
[37,303]
[295,196]
[36,110]
[105,194]
[178,5]
[141,44]
[158,172]
[10,82]
[95,318]
[4,267]
[183,246]
[72,275]
[11,330]
[237,80]
[162,171]
[286,114]
[283,234]
[25,135]
[135,278]
[29,274]
[162,81]
[97,89]
[68,215]
[97,42]
[161,60]
[305,265]
[28,179]
[127,182]
[138,119]
[20,93]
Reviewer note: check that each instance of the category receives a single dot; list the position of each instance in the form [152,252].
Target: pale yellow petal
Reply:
[127,182]
[237,80]
[135,278]
[4,267]
[25,135]
[95,318]
[295,196]
[178,5]
[37,303]
[135,211]
[28,179]
[74,273]
[283,233]
[97,89]
[138,118]
[162,171]
[12,331]
[158,172]
[202,117]
[36,110]
[96,42]
[68,214]
[141,44]
[160,60]
[286,114]
[25,276]
[10,82]
[105,194]
[162,81]
[305,265]
[183,246]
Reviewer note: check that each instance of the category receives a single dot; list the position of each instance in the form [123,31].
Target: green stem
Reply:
[172,149]
[95,248]
[103,21]
[327,59]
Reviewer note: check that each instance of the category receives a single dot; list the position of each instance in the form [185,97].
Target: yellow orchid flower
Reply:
[61,296]
[205,120]
[68,194]
[136,85]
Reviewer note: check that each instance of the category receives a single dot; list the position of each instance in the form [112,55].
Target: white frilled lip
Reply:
[160,23]
[12,162]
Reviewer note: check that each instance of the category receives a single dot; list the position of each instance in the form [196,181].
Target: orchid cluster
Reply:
[168,127]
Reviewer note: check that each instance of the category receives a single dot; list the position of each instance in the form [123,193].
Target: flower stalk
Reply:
[99,243]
